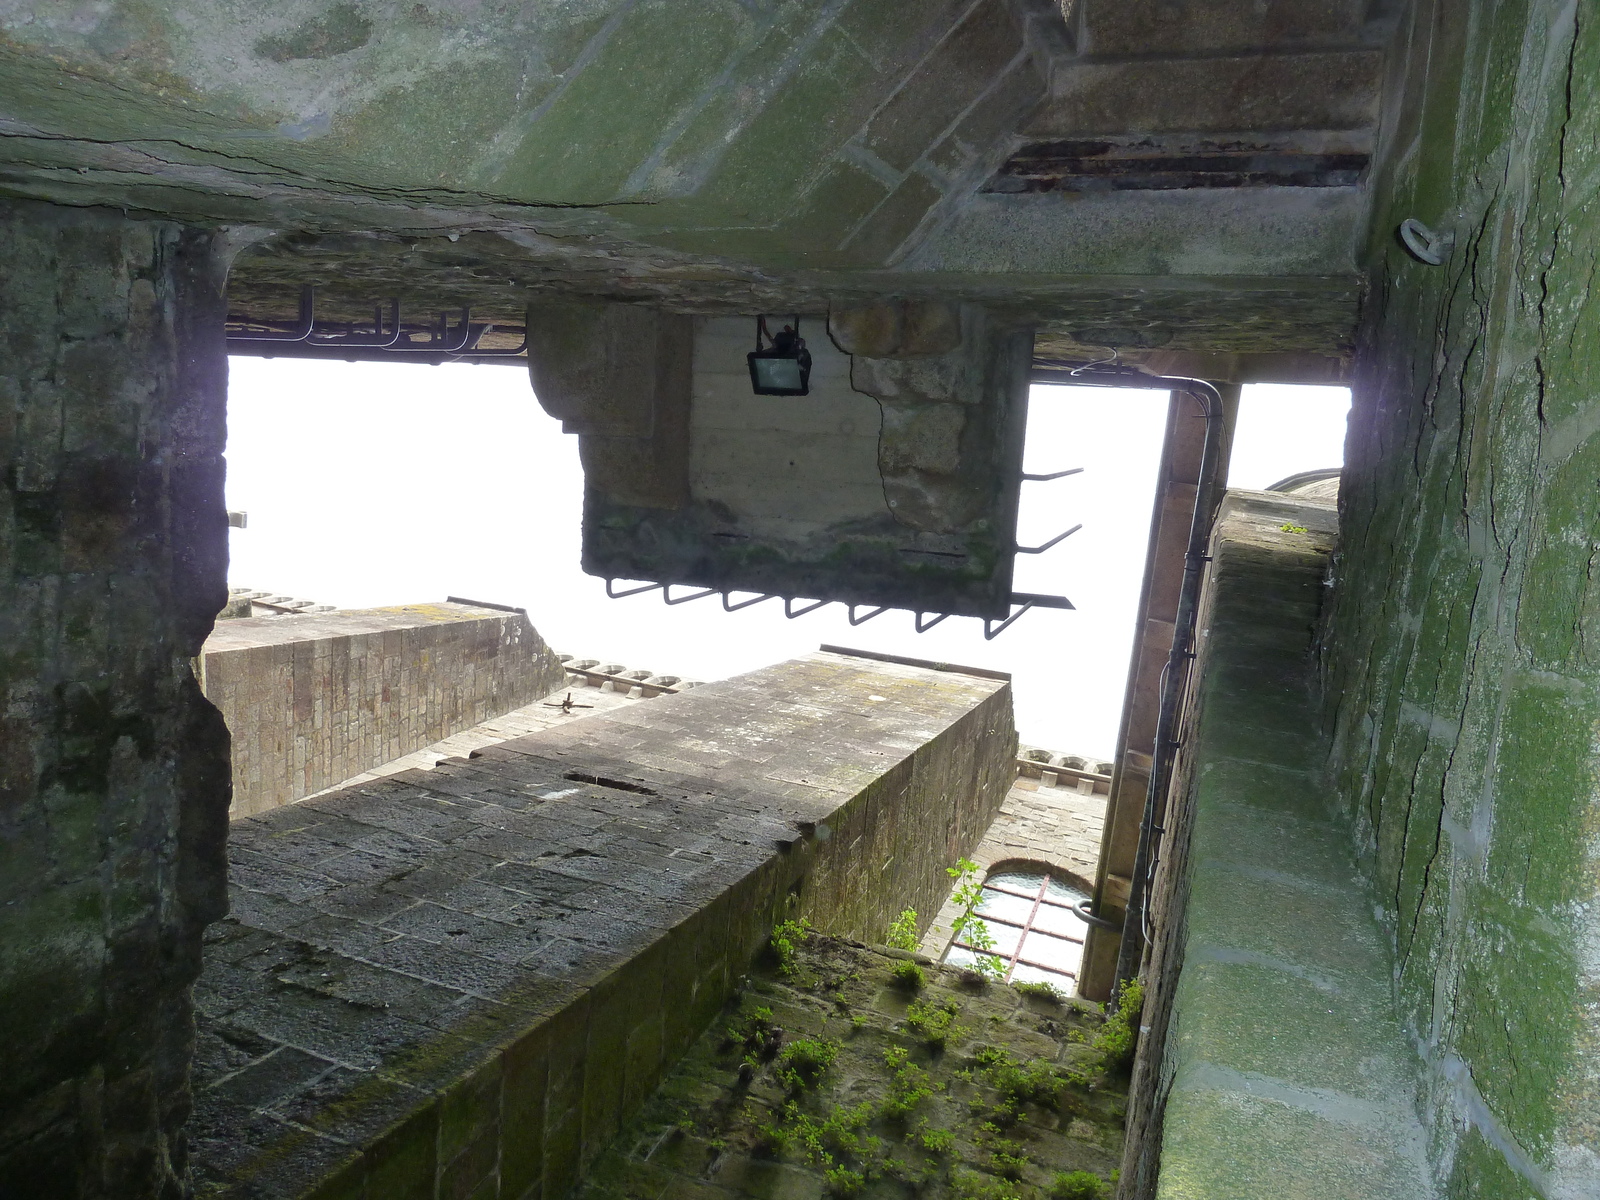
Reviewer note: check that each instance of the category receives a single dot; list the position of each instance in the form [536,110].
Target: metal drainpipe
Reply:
[1175,677]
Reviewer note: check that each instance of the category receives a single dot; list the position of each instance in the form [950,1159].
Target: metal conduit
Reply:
[1175,677]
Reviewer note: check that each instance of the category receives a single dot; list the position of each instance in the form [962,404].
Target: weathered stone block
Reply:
[112,795]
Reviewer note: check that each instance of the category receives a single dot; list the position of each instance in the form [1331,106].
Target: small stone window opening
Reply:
[1038,935]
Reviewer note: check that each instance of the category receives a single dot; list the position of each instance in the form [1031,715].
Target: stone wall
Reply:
[113,768]
[317,699]
[460,982]
[930,1106]
[1464,670]
[1274,1063]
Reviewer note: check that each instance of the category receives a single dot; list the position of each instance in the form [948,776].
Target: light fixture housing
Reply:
[782,368]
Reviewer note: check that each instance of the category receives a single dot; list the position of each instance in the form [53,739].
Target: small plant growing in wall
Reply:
[934,1023]
[935,1141]
[1119,1036]
[908,1085]
[969,1185]
[970,928]
[842,1181]
[1077,1185]
[1040,991]
[903,931]
[908,975]
[802,1062]
[1008,1159]
[785,942]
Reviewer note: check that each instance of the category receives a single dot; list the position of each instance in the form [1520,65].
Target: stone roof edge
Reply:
[926,664]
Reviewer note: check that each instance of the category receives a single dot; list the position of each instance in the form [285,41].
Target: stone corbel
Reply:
[618,376]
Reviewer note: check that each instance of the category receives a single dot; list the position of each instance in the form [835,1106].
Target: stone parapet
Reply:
[460,982]
[1275,1065]
[316,699]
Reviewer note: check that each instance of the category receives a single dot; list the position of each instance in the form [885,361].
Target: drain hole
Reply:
[621,785]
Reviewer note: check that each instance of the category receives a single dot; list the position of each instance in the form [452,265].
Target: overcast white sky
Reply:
[373,483]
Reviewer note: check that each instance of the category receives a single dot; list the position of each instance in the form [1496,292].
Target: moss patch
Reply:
[830,1078]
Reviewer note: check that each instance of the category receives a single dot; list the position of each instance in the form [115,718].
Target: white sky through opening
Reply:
[370,484]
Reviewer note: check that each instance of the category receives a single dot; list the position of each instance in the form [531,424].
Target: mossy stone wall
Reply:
[1463,664]
[851,1071]
[113,767]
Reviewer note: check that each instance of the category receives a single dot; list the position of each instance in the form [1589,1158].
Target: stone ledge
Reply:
[1291,1076]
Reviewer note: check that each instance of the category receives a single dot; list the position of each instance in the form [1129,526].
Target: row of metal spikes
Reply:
[386,335]
[991,628]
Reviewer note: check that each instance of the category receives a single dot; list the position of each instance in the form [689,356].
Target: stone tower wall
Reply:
[315,700]
[113,767]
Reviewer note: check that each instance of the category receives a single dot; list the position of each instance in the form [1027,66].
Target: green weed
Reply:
[1077,1185]
[903,931]
[802,1062]
[908,1086]
[787,938]
[936,1141]
[934,1023]
[1040,991]
[908,976]
[1118,1037]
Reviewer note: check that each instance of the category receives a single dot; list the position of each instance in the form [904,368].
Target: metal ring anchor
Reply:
[1081,908]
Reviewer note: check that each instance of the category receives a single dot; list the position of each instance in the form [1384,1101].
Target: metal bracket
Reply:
[992,631]
[726,607]
[434,347]
[1052,475]
[1039,601]
[855,620]
[921,628]
[1058,538]
[789,610]
[616,595]
[303,328]
[467,336]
